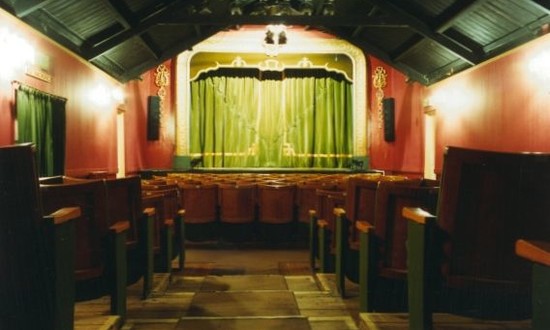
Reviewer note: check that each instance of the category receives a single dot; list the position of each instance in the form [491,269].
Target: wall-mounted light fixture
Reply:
[429,108]
[539,67]
[275,37]
[16,54]
[104,96]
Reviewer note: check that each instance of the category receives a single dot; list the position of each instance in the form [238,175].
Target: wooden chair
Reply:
[382,252]
[172,239]
[100,252]
[123,200]
[538,252]
[323,224]
[276,210]
[359,206]
[161,230]
[306,200]
[237,210]
[487,201]
[36,251]
[200,203]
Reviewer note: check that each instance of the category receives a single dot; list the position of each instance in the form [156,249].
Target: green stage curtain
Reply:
[41,120]
[301,120]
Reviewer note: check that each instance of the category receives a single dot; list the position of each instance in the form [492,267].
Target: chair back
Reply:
[237,203]
[390,226]
[276,203]
[306,197]
[124,204]
[26,295]
[91,229]
[487,201]
[200,202]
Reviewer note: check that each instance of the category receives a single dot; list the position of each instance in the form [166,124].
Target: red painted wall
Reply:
[91,128]
[140,152]
[500,105]
[404,155]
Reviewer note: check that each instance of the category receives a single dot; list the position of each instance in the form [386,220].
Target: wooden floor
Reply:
[228,287]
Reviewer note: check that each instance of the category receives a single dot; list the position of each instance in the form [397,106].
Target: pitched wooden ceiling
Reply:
[428,40]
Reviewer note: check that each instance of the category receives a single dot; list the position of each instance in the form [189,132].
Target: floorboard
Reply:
[225,287]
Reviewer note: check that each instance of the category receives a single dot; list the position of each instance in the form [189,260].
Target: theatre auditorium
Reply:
[274,164]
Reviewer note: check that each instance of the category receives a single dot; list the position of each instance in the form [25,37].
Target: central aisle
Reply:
[238,288]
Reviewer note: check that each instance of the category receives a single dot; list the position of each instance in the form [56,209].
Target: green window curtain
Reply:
[304,120]
[41,120]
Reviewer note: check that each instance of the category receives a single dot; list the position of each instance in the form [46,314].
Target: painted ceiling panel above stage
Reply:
[428,40]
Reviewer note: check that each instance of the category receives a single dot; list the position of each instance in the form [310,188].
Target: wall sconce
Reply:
[539,66]
[20,54]
[103,96]
[275,36]
[429,109]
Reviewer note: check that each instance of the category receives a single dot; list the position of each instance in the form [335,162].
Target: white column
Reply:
[429,143]
[121,150]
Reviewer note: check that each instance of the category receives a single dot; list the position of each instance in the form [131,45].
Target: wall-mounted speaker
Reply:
[388,106]
[153,118]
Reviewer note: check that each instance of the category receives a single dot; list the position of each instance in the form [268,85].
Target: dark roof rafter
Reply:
[421,28]
[121,36]
[128,20]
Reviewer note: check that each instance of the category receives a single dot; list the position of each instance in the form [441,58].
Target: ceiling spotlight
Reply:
[307,7]
[328,8]
[235,8]
[275,36]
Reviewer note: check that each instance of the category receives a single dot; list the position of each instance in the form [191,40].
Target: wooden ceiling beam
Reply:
[135,30]
[313,20]
[423,29]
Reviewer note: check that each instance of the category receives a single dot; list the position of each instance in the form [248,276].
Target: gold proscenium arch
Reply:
[248,40]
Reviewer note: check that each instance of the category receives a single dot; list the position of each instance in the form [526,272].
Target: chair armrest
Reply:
[535,251]
[322,223]
[120,227]
[339,212]
[149,211]
[417,215]
[363,226]
[64,215]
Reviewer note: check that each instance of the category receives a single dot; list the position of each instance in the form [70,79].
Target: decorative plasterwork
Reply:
[272,64]
[249,41]
[379,81]
[162,80]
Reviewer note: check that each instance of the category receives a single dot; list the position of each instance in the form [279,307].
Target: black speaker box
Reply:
[153,118]
[389,119]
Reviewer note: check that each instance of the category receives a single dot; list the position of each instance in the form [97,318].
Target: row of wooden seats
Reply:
[229,199]
[116,236]
[488,201]
[461,257]
[168,232]
[365,200]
